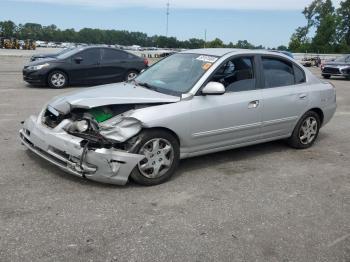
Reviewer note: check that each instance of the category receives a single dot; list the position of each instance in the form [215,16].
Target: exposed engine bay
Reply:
[107,126]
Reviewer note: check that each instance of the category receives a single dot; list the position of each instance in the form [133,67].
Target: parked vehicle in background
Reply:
[85,65]
[50,55]
[311,61]
[188,104]
[337,67]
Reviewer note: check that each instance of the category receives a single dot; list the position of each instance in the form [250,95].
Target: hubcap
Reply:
[58,79]
[131,76]
[308,130]
[159,156]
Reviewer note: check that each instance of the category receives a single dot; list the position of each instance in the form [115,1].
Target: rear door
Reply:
[284,95]
[85,66]
[115,64]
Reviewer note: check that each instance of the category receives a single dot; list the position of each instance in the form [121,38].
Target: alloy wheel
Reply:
[58,79]
[131,76]
[159,156]
[308,130]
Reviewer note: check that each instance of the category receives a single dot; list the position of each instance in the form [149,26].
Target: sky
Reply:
[269,22]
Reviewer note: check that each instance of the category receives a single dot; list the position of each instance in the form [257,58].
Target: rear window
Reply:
[113,55]
[277,72]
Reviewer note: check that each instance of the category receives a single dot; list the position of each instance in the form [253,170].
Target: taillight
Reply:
[145,61]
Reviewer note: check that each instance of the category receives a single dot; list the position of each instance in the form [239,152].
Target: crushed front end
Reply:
[94,143]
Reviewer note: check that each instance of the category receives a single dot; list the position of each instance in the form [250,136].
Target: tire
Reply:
[57,79]
[164,157]
[326,76]
[131,74]
[306,131]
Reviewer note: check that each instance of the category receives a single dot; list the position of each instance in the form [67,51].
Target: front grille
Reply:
[331,70]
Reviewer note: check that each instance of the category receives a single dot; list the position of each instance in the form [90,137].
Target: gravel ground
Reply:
[260,203]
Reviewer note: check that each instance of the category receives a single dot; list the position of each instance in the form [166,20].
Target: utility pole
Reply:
[167,18]
[205,38]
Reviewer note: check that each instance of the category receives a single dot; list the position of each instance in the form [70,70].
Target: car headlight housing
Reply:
[38,67]
[81,125]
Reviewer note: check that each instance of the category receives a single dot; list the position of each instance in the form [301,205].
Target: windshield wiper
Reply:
[146,85]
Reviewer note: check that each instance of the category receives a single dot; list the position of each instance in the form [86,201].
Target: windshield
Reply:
[176,74]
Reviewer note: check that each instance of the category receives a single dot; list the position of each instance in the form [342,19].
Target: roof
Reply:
[223,51]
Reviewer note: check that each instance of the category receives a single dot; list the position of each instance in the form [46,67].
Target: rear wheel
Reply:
[326,76]
[57,79]
[162,153]
[130,75]
[306,131]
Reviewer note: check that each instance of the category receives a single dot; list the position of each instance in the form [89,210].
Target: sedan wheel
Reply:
[57,79]
[131,75]
[162,154]
[308,130]
[159,155]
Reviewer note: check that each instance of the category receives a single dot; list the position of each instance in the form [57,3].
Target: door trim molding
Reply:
[225,130]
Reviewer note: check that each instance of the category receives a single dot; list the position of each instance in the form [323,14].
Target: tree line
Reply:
[327,29]
[111,37]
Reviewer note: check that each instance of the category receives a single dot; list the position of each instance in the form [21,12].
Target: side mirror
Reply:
[78,59]
[214,88]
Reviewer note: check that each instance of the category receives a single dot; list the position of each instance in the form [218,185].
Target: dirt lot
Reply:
[261,203]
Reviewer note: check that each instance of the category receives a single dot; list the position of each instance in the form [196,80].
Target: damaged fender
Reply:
[120,128]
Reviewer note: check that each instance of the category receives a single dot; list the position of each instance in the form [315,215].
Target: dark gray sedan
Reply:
[338,67]
[86,65]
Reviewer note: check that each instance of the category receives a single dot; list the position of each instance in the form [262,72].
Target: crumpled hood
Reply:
[111,94]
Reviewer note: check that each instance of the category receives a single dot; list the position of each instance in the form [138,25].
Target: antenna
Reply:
[167,18]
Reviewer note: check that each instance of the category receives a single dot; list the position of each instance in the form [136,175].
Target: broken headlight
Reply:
[81,125]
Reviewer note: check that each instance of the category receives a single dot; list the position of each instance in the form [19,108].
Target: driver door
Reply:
[234,118]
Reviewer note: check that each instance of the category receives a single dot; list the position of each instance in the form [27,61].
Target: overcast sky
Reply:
[266,22]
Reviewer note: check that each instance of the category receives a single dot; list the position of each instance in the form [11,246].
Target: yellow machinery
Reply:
[7,44]
[14,43]
[29,45]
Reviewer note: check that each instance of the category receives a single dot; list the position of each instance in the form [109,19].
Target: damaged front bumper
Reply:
[110,166]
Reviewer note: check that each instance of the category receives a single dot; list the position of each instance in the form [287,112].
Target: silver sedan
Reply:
[189,104]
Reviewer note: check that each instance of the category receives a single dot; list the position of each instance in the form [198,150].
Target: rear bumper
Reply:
[64,151]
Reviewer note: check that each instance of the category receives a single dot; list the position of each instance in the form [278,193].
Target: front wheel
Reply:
[306,131]
[162,154]
[326,76]
[57,79]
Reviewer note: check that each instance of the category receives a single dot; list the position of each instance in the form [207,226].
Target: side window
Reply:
[110,55]
[277,72]
[237,75]
[89,56]
[299,75]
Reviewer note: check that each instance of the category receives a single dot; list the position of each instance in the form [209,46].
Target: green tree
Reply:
[8,28]
[344,22]
[215,43]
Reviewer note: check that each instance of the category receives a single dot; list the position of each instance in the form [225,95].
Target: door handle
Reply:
[303,96]
[253,104]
